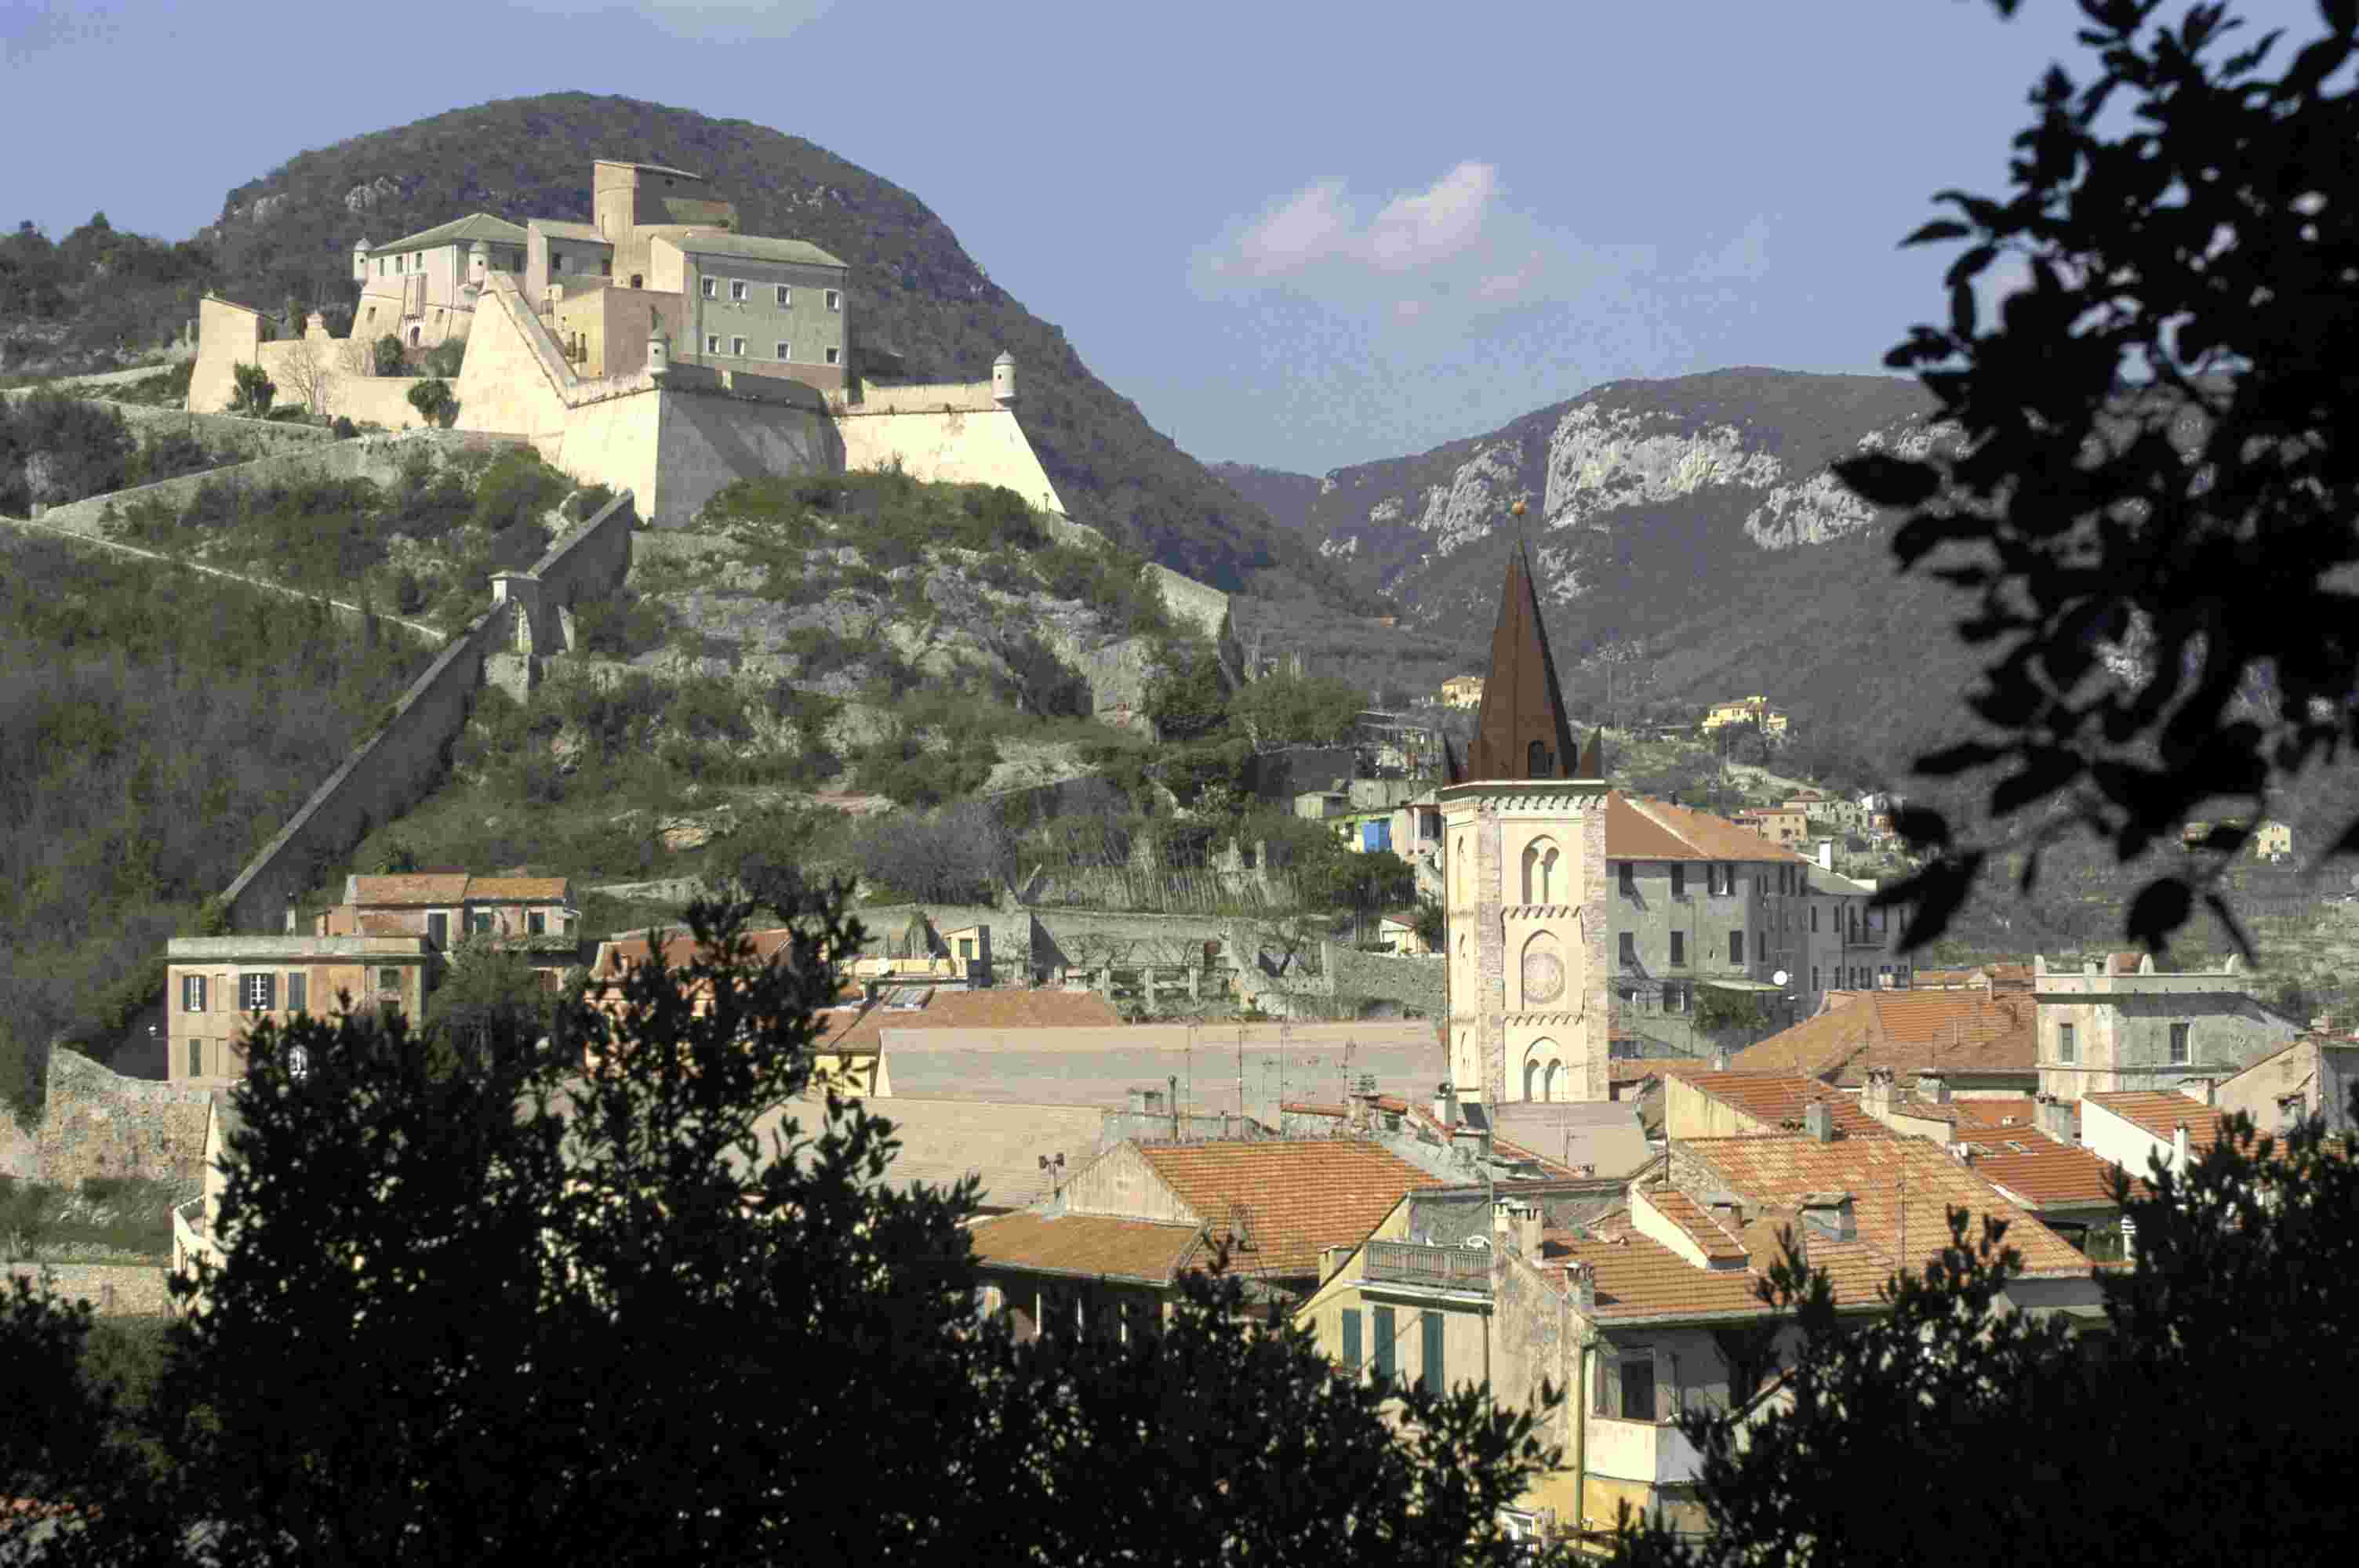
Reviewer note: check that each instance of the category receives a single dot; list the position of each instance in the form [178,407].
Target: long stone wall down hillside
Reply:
[116,1290]
[389,771]
[96,1122]
[342,610]
[231,433]
[379,459]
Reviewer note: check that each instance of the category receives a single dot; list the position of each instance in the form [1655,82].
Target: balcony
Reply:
[1655,1453]
[1435,1267]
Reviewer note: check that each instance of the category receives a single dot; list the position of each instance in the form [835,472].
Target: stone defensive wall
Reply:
[116,1290]
[96,1122]
[380,458]
[390,770]
[978,446]
[222,432]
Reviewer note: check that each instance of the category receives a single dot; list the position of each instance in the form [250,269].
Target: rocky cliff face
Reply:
[1695,474]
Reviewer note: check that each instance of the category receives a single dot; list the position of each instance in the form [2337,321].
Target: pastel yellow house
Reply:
[1462,691]
[217,988]
[422,288]
[1754,710]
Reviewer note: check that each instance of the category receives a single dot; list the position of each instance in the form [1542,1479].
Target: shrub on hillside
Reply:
[254,392]
[619,625]
[956,855]
[385,356]
[904,770]
[55,450]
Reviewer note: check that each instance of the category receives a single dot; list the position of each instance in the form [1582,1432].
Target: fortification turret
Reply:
[479,264]
[658,346]
[1003,378]
[360,259]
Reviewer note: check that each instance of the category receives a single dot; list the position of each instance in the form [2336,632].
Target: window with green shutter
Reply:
[1431,1375]
[1384,1346]
[1352,1351]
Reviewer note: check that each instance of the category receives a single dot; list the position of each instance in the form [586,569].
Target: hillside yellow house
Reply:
[1462,691]
[1754,710]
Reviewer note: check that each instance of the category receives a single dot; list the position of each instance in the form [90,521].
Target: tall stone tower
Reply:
[1523,849]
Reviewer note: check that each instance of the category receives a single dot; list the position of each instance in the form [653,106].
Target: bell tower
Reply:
[1523,852]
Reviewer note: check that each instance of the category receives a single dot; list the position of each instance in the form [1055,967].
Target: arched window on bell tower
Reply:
[1538,765]
[1539,872]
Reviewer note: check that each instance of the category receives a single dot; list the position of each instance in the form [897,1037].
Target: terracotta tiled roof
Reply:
[1700,1226]
[1902,1190]
[518,890]
[1638,828]
[1960,1032]
[2018,1113]
[1301,1197]
[2039,1172]
[1637,1276]
[1777,1101]
[1505,1148]
[2160,1112]
[455,887]
[679,950]
[994,1009]
[411,887]
[1085,1244]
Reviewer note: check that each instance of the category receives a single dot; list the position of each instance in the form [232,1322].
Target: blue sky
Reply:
[1297,234]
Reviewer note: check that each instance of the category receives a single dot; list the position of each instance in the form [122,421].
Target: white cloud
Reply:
[703,18]
[1434,257]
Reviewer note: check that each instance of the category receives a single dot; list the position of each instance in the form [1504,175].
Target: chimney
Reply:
[1875,1098]
[291,917]
[2179,1149]
[1445,1106]
[1721,1062]
[1831,1215]
[1470,1145]
[1818,1121]
[1931,1086]
[1581,1279]
[1518,1225]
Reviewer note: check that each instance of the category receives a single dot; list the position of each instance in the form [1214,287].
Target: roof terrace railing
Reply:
[1437,1268]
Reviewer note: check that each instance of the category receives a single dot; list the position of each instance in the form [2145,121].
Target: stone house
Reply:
[423,288]
[1754,710]
[2119,1025]
[447,907]
[2314,1076]
[1778,824]
[757,305]
[1462,691]
[216,987]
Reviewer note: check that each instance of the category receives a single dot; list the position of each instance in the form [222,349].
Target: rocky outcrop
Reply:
[369,195]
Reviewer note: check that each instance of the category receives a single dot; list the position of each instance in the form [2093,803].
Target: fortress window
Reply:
[785,350]
[635,281]
[192,993]
[835,356]
[712,343]
[712,288]
[737,347]
[261,991]
[738,290]
[834,300]
[785,298]
[196,1058]
[605,267]
[557,261]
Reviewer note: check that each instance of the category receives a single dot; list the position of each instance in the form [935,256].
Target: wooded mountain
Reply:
[927,311]
[1688,533]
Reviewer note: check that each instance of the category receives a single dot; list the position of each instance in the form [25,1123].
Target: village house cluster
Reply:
[1560,1178]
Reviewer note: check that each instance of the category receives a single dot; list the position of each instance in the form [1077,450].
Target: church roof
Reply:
[1522,720]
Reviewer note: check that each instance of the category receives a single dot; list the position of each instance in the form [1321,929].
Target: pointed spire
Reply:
[1592,756]
[1521,731]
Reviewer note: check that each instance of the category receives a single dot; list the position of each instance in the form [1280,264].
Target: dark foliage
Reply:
[2150,457]
[155,729]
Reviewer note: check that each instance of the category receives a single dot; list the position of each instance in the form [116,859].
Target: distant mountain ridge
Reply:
[1687,532]
[926,311]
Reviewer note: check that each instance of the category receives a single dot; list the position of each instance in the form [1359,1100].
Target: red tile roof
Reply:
[679,950]
[1963,1032]
[2160,1113]
[1902,1190]
[1294,1198]
[1638,828]
[518,890]
[1087,1244]
[1776,1100]
[1011,1008]
[1638,1277]
[411,887]
[2039,1172]
[1711,1238]
[1505,1148]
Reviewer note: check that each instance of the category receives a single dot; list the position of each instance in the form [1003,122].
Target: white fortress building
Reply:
[657,349]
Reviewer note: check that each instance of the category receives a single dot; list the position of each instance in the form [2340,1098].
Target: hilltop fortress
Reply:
[657,349]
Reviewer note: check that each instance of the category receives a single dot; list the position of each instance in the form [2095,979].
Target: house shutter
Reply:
[1352,1339]
[1384,1346]
[299,992]
[1666,1387]
[1431,1374]
[1609,1383]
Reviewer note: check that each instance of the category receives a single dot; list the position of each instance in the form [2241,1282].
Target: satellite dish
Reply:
[1780,977]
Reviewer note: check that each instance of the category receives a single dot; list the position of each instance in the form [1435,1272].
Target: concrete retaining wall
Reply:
[392,769]
[97,1122]
[116,1290]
